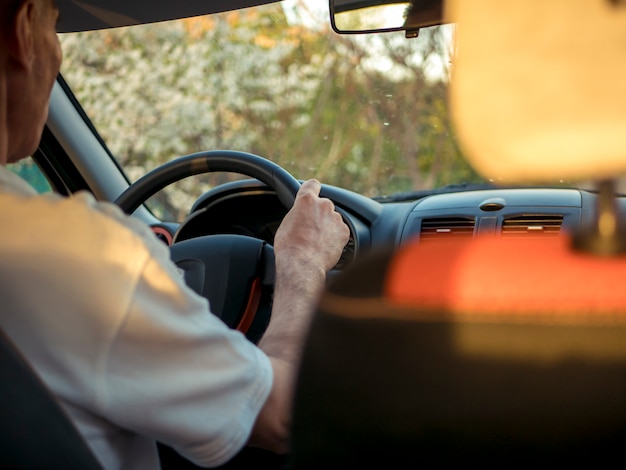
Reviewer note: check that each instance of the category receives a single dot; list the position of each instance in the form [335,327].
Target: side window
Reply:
[28,170]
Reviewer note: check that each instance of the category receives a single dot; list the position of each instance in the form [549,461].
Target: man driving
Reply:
[93,301]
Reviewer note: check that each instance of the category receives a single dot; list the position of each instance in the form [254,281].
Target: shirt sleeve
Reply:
[116,334]
[177,373]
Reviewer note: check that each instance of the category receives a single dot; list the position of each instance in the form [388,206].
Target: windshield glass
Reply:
[364,112]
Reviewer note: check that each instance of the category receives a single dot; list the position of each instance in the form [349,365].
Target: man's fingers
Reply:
[311,186]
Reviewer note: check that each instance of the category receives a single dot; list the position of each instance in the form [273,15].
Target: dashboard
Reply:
[250,208]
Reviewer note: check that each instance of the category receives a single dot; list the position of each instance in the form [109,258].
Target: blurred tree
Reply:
[364,112]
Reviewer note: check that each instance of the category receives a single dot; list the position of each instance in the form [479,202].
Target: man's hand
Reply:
[312,233]
[307,245]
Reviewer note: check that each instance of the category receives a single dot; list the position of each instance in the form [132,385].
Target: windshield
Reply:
[364,112]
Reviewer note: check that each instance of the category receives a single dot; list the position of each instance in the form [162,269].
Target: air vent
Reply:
[532,225]
[453,227]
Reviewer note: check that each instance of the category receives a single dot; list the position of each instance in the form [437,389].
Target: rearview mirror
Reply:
[375,16]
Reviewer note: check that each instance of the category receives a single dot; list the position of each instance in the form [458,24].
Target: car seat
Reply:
[491,351]
[36,432]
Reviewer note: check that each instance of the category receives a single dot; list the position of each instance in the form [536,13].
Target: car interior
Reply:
[477,323]
[506,351]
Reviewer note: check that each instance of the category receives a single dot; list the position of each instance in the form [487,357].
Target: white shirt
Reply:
[92,299]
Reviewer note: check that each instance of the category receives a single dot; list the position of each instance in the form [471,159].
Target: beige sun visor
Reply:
[538,90]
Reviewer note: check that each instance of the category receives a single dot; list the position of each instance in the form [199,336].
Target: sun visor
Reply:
[538,90]
[87,15]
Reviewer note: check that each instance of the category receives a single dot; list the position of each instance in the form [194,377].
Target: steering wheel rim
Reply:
[266,171]
[234,273]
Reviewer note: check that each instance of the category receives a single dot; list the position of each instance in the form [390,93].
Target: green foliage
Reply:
[365,112]
[28,170]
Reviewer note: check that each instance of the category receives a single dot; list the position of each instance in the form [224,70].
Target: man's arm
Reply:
[308,244]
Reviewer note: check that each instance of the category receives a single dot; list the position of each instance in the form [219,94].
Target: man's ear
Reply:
[21,35]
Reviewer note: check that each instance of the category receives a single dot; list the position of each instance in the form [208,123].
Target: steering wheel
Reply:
[234,272]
